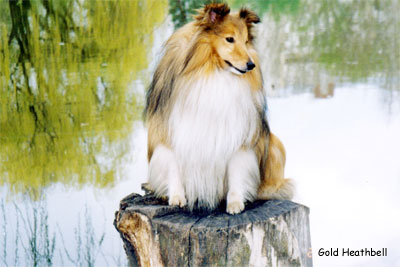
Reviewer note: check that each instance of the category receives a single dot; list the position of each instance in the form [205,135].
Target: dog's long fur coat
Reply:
[208,136]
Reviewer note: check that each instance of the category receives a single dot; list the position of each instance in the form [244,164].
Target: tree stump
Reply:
[267,233]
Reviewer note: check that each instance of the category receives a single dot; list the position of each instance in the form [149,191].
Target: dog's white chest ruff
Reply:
[211,119]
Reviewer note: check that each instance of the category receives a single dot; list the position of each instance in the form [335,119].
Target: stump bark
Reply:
[267,233]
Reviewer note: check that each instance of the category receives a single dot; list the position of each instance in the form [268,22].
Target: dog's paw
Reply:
[234,203]
[235,207]
[177,200]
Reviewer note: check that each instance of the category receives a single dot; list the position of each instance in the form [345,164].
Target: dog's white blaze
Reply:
[209,122]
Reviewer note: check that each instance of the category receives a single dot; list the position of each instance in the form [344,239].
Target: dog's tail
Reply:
[273,184]
[284,191]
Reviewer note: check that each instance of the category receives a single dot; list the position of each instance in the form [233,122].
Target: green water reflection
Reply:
[275,8]
[336,41]
[355,39]
[65,99]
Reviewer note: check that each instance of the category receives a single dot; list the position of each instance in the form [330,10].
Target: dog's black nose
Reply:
[250,65]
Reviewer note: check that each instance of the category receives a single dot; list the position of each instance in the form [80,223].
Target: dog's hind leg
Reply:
[273,184]
[243,178]
[164,176]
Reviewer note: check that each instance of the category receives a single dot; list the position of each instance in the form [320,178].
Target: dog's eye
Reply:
[230,39]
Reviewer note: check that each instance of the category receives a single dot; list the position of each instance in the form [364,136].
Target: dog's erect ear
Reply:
[249,16]
[212,14]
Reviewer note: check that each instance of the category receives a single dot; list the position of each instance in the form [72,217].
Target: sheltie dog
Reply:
[208,136]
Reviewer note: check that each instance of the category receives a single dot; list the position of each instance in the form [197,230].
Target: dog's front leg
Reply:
[164,176]
[176,192]
[243,180]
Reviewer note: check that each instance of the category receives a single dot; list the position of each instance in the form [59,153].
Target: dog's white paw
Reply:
[235,207]
[177,200]
[234,203]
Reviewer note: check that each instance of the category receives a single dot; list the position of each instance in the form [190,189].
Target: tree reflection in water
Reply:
[66,106]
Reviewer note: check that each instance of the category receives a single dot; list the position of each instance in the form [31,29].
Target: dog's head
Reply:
[229,35]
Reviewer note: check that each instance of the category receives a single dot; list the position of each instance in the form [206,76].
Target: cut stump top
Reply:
[267,233]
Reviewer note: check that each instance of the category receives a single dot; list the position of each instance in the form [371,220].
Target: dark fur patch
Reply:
[263,117]
[250,18]
[157,98]
[212,14]
[189,56]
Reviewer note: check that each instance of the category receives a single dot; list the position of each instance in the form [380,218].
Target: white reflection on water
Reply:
[343,153]
[86,212]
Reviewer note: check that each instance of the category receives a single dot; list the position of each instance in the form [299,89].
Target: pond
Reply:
[73,76]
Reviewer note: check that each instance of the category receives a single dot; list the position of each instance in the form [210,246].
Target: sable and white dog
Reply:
[208,136]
